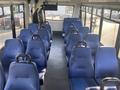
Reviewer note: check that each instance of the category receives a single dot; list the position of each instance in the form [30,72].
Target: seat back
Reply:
[47,26]
[92,41]
[80,64]
[23,75]
[12,48]
[2,77]
[106,63]
[33,27]
[44,35]
[67,22]
[71,30]
[25,35]
[83,31]
[77,24]
[37,51]
[73,39]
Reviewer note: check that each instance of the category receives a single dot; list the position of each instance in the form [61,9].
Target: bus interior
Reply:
[59,44]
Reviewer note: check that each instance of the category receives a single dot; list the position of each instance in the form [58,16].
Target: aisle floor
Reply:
[57,74]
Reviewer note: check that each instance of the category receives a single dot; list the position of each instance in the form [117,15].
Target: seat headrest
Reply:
[13,47]
[81,44]
[33,27]
[92,37]
[22,58]
[84,29]
[35,37]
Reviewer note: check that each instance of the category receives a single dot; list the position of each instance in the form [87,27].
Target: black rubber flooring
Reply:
[56,77]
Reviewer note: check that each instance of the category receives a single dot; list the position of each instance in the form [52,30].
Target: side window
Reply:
[1,12]
[7,10]
[107,13]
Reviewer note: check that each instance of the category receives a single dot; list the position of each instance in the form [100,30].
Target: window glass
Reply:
[5,29]
[60,14]
[88,18]
[99,12]
[6,10]
[21,8]
[94,11]
[15,8]
[119,54]
[83,8]
[95,24]
[87,9]
[1,12]
[107,13]
[19,22]
[83,17]
[109,33]
[115,15]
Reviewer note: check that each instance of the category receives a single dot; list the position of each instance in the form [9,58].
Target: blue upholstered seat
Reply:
[23,76]
[33,27]
[44,35]
[73,39]
[83,31]
[25,35]
[37,51]
[106,63]
[72,30]
[80,63]
[92,42]
[12,48]
[47,26]
[68,21]
[81,71]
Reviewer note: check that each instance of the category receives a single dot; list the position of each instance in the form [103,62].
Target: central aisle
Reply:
[57,76]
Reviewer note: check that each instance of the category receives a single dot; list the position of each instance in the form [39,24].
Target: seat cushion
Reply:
[81,83]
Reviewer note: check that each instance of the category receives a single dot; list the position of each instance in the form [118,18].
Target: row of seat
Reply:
[34,41]
[88,62]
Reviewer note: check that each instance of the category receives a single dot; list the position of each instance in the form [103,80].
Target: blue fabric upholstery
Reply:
[25,35]
[22,76]
[67,22]
[71,31]
[48,28]
[83,31]
[81,84]
[44,35]
[92,42]
[106,63]
[37,51]
[80,63]
[2,77]
[33,28]
[81,71]
[12,48]
[77,24]
[73,39]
